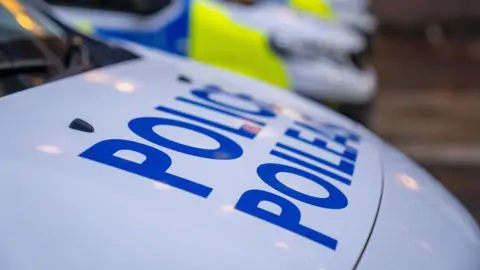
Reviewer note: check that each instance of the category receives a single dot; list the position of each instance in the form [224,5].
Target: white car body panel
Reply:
[62,211]
[128,221]
[420,224]
[350,5]
[351,86]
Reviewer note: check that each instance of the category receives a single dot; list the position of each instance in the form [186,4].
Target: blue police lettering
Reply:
[349,153]
[344,166]
[154,167]
[246,130]
[288,219]
[143,127]
[268,173]
[328,132]
[157,162]
[218,110]
[208,93]
[310,166]
[345,132]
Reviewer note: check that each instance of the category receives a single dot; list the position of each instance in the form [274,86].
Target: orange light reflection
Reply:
[22,18]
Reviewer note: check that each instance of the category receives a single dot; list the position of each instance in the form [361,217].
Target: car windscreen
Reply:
[36,49]
[143,7]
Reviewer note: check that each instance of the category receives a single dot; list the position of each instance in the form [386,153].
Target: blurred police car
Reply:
[119,157]
[352,14]
[273,44]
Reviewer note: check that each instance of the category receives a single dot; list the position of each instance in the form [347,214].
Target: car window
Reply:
[21,21]
[144,7]
[36,49]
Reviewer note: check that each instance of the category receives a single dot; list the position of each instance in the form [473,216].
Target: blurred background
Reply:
[427,53]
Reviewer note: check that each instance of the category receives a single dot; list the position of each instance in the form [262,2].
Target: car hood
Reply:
[64,208]
[420,225]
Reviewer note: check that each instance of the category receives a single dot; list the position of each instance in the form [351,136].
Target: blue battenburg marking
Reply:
[171,37]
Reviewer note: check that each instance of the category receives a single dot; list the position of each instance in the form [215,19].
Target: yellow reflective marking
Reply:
[216,39]
[318,7]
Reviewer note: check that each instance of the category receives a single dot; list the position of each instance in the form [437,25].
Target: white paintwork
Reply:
[60,211]
[350,5]
[72,213]
[420,224]
[317,79]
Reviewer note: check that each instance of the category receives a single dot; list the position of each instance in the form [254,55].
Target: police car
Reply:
[352,14]
[274,44]
[114,156]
